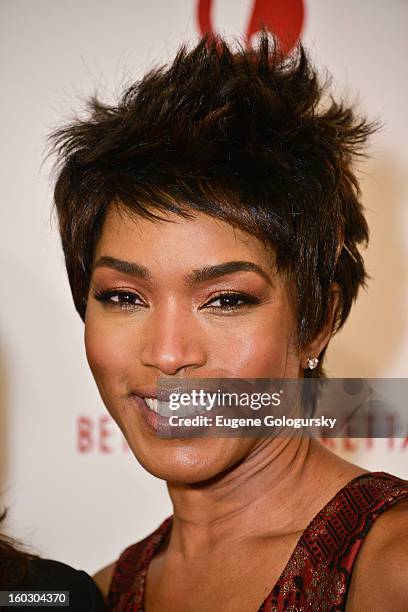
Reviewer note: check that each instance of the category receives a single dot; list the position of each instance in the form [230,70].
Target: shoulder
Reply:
[103,578]
[46,574]
[119,577]
[379,580]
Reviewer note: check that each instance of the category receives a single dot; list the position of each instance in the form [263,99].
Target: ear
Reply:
[321,340]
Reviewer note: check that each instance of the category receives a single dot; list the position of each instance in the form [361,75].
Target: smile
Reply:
[152,403]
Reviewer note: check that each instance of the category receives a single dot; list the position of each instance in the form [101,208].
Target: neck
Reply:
[270,492]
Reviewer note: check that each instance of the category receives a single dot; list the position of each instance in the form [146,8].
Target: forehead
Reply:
[200,238]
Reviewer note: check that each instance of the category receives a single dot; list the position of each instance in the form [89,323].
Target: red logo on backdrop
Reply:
[100,435]
[281,17]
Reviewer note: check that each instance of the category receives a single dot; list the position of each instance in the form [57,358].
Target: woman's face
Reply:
[190,298]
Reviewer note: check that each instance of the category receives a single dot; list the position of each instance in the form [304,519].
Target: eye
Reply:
[232,301]
[124,300]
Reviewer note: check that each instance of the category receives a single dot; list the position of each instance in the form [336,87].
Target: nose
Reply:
[172,340]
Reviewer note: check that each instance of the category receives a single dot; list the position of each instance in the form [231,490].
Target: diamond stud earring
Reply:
[312,362]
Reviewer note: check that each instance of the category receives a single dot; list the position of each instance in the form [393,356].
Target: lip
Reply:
[145,392]
[159,424]
[155,422]
[156,393]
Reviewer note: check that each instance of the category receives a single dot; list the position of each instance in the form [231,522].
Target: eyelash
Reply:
[105,297]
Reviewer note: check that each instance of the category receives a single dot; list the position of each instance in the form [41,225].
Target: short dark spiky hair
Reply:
[247,136]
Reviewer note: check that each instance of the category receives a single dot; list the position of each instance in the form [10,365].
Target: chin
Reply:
[187,461]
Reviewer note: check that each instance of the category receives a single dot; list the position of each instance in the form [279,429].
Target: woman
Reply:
[211,224]
[22,571]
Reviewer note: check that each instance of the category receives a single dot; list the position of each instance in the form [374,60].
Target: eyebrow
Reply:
[194,277]
[127,267]
[212,272]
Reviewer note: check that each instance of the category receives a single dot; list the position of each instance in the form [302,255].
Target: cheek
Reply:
[262,347]
[108,352]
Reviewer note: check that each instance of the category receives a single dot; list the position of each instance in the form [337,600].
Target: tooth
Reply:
[183,411]
[147,400]
[152,403]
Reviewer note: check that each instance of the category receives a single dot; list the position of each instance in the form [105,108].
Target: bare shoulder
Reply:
[103,578]
[379,581]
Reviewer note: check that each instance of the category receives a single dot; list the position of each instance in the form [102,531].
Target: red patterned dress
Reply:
[318,573]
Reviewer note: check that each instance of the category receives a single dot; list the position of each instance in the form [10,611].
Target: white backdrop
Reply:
[83,500]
